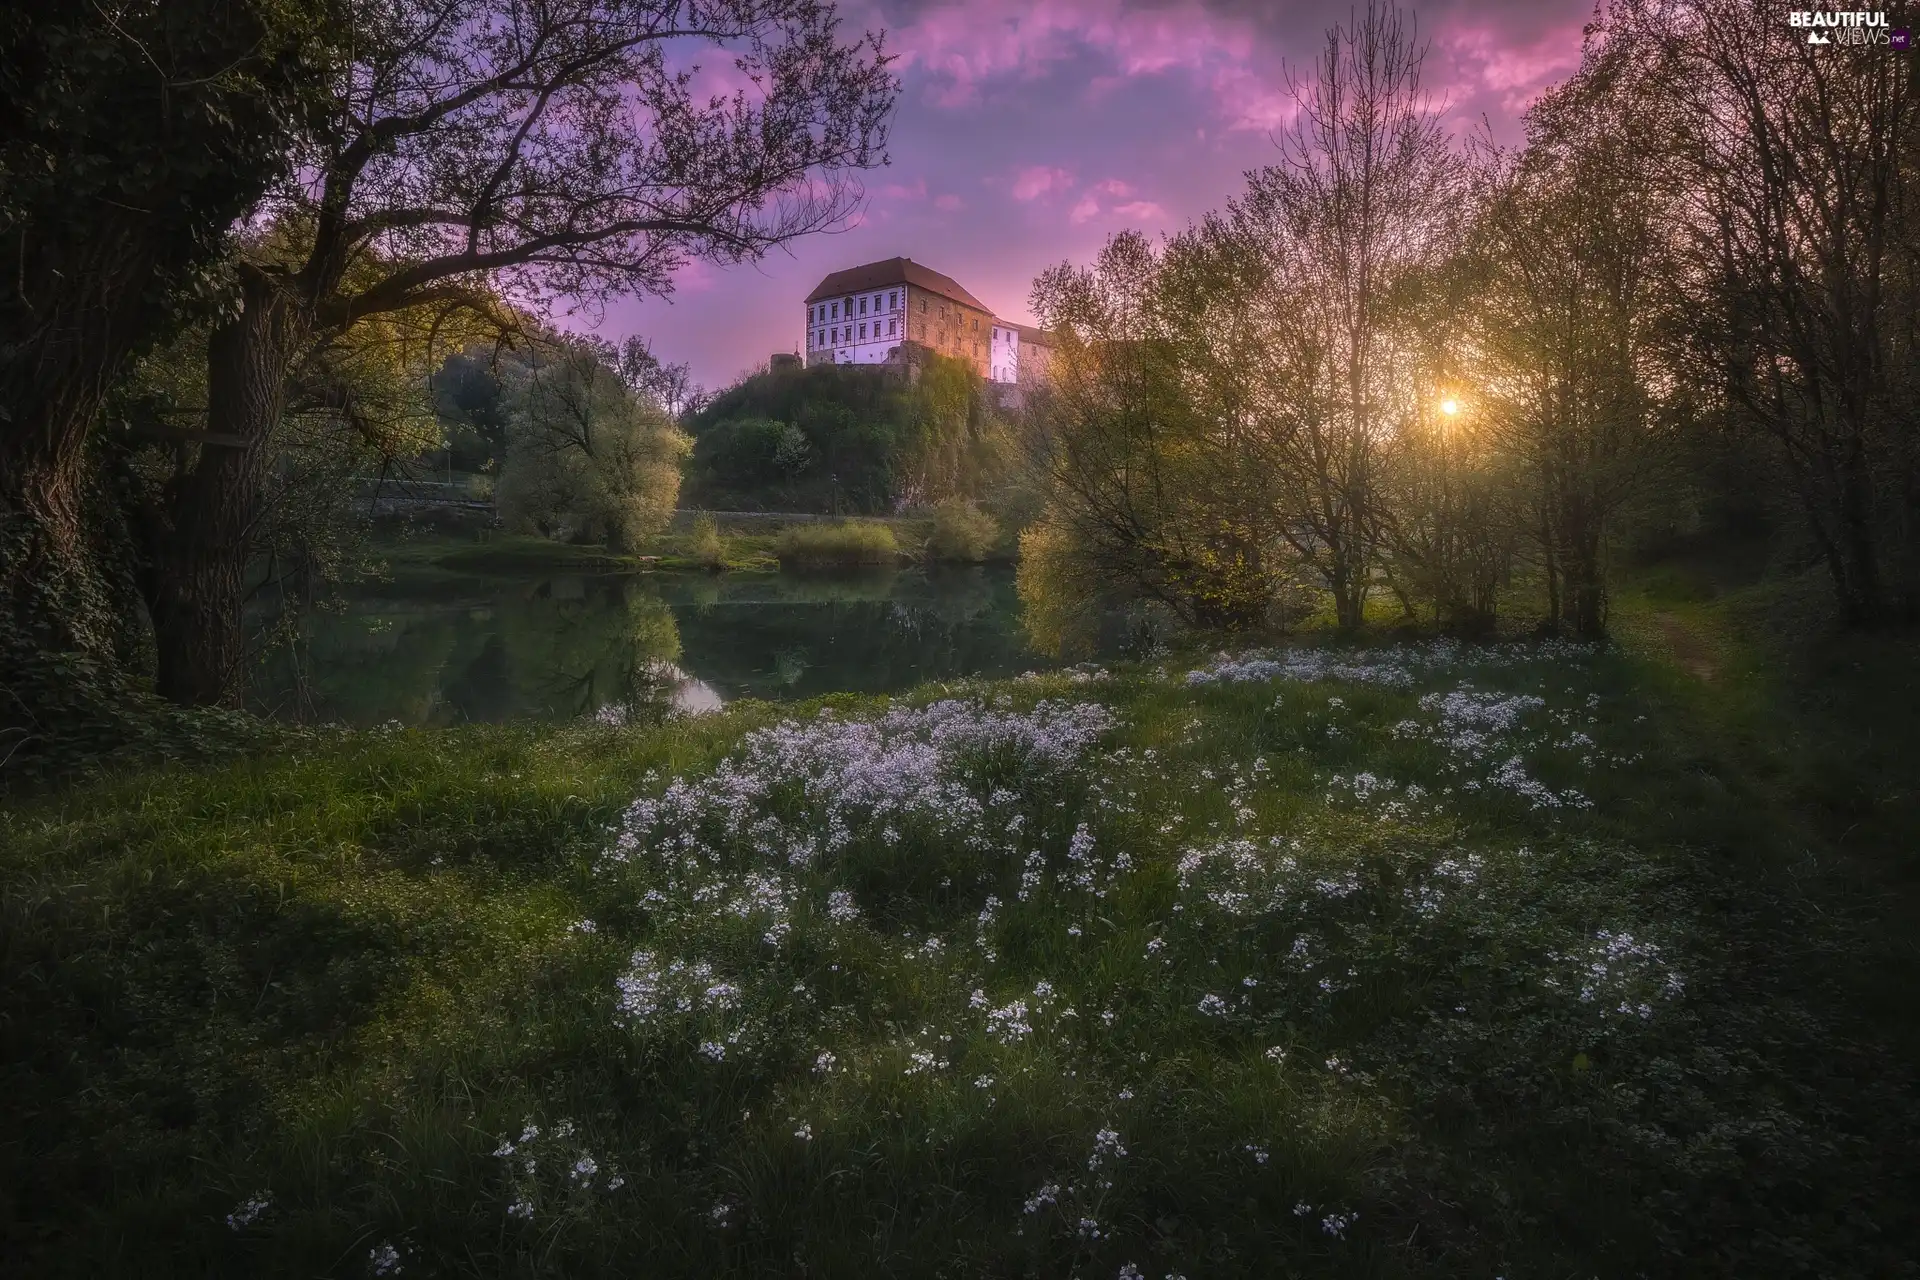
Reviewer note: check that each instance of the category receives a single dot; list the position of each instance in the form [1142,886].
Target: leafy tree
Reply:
[1572,253]
[472,403]
[1155,487]
[538,147]
[587,457]
[847,437]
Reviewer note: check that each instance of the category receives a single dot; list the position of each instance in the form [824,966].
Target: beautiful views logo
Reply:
[1856,27]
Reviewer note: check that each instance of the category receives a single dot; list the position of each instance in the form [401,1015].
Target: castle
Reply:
[874,314]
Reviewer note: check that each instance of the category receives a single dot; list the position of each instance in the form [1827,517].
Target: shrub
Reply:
[705,545]
[961,533]
[816,546]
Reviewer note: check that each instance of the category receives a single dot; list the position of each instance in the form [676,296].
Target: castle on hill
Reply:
[877,313]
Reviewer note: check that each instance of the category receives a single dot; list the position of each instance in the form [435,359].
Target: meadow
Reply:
[1522,959]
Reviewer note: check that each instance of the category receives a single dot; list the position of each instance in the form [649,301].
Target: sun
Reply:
[1449,407]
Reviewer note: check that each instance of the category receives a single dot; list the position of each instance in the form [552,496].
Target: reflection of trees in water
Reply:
[576,646]
[364,667]
[821,634]
[790,665]
[569,646]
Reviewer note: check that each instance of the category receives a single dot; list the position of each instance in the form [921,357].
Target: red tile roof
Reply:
[892,271]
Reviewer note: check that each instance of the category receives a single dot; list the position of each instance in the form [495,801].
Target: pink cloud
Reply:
[1473,60]
[1086,208]
[1038,180]
[1141,211]
[949,202]
[899,191]
[965,43]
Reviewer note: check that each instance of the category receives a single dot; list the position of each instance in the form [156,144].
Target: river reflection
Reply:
[498,648]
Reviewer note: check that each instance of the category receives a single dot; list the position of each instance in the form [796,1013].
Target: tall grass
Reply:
[848,544]
[704,544]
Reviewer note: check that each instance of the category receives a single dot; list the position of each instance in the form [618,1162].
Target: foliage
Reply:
[833,437]
[473,408]
[849,543]
[961,533]
[1061,592]
[588,460]
[1155,487]
[526,148]
[573,1001]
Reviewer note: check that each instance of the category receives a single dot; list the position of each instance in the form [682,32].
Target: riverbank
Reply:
[750,542]
[1520,960]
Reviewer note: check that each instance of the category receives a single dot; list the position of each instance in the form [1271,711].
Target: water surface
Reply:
[560,647]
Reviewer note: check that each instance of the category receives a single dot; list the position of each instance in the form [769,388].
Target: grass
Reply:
[848,544]
[350,979]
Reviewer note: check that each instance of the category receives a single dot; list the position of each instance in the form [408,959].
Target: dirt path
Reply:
[1689,650]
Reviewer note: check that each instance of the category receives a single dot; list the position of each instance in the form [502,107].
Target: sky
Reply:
[1029,131]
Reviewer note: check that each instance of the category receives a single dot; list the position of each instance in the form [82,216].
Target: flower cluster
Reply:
[548,1169]
[1621,974]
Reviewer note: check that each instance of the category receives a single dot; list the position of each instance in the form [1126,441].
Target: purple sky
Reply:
[1030,130]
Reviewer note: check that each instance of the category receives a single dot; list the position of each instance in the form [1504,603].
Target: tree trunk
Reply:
[200,560]
[67,325]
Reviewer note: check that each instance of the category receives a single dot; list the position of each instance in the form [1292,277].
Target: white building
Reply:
[865,314]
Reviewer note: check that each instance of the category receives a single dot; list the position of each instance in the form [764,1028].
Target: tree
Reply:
[1155,487]
[543,148]
[132,134]
[1803,218]
[586,456]
[1572,248]
[1365,186]
[669,386]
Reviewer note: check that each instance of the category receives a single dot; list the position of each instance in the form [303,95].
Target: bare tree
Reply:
[540,148]
[1365,183]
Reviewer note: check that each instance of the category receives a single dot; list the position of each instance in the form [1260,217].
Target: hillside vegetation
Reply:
[847,439]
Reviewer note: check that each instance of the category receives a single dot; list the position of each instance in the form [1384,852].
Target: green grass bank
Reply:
[1524,960]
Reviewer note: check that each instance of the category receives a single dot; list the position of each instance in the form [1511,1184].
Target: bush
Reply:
[705,545]
[817,546]
[962,533]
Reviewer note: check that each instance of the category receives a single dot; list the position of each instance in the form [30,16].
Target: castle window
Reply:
[863,306]
[891,326]
[836,311]
[893,301]
[863,331]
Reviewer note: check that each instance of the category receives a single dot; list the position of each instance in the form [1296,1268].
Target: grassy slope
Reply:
[344,974]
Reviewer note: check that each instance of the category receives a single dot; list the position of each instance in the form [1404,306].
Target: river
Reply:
[559,647]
